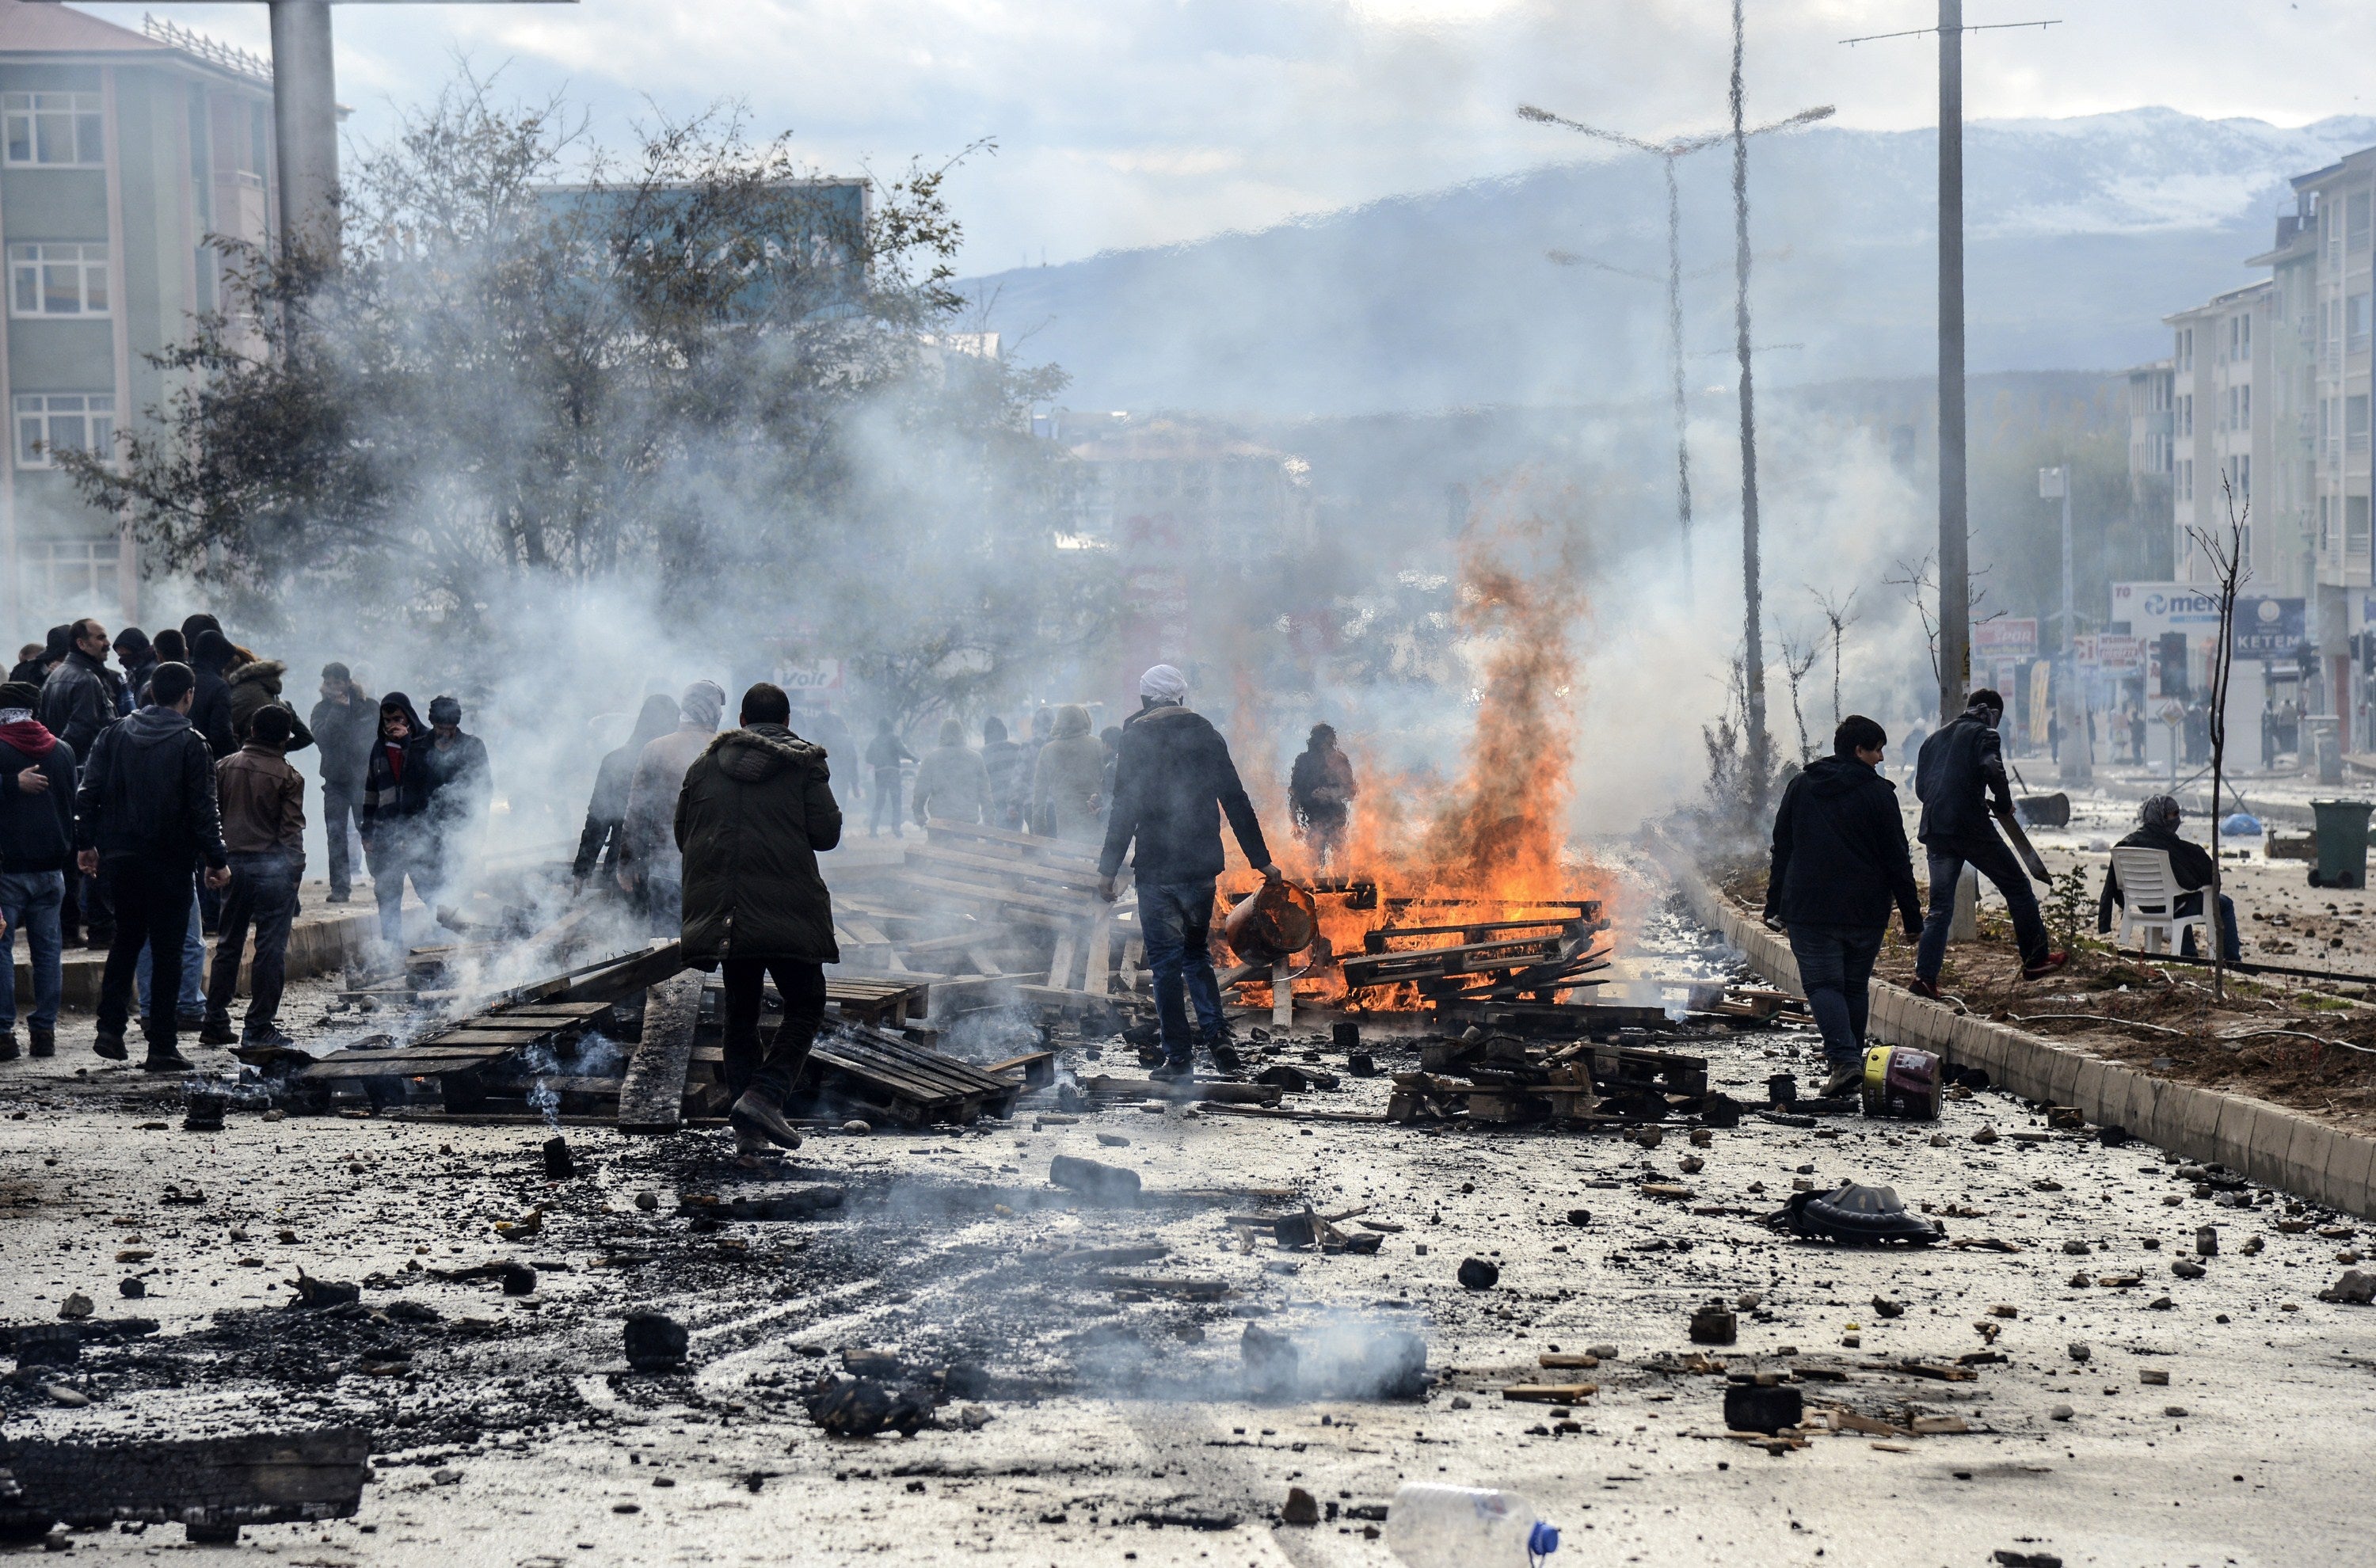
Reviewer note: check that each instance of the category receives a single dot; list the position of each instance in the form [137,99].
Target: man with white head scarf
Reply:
[1173,783]
[650,869]
[2189,867]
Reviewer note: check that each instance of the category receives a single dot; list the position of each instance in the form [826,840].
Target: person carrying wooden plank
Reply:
[1172,785]
[755,812]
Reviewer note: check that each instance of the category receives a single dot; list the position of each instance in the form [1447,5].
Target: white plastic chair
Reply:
[2149,895]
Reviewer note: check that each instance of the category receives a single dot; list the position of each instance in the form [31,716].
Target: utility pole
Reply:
[1761,745]
[1668,153]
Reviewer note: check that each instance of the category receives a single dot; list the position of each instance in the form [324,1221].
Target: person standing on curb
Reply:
[1840,860]
[756,811]
[37,789]
[146,812]
[264,828]
[1961,768]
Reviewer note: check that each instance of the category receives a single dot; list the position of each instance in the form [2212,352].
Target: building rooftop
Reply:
[54,30]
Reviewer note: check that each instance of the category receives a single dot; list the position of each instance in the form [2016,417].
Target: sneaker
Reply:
[110,1044]
[165,1059]
[8,1045]
[1172,1072]
[262,1034]
[1926,989]
[748,1141]
[189,1023]
[2052,962]
[44,1041]
[339,896]
[1842,1080]
[754,1113]
[218,1031]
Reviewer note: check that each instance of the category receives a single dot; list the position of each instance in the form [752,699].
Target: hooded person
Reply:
[1068,780]
[1173,783]
[650,868]
[146,812]
[1003,764]
[755,810]
[461,786]
[138,656]
[79,700]
[606,813]
[2189,867]
[37,855]
[1320,791]
[394,820]
[951,783]
[345,723]
[169,649]
[254,687]
[210,654]
[1958,774]
[1840,862]
[884,755]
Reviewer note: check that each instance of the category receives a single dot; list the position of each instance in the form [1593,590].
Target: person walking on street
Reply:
[343,724]
[756,811]
[951,783]
[461,786]
[146,812]
[37,850]
[884,755]
[79,700]
[1320,791]
[1173,784]
[1960,771]
[1068,780]
[1002,766]
[599,840]
[394,823]
[651,869]
[263,801]
[2189,865]
[1840,862]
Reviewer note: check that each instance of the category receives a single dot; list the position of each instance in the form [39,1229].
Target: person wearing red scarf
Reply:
[37,789]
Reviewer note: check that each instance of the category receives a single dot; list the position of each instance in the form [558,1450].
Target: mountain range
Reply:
[2082,234]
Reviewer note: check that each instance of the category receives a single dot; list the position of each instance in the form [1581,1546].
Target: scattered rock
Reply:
[1749,1407]
[648,1201]
[858,1128]
[73,1398]
[75,1307]
[2077,1248]
[558,1165]
[1579,1218]
[314,1295]
[2079,1350]
[1104,1184]
[656,1342]
[131,1289]
[2355,1288]
[1985,1135]
[1113,1140]
[1299,1508]
[446,1476]
[973,1417]
[2060,1413]
[2187,1269]
[859,1406]
[1884,1307]
[2206,1240]
[2154,1377]
[1692,1164]
[2175,1413]
[1479,1274]
[880,1365]
[2009,1559]
[1715,1324]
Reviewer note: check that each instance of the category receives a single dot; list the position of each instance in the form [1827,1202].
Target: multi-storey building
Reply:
[2220,437]
[2151,427]
[122,154]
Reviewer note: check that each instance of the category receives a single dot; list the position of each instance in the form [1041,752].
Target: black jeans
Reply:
[340,804]
[1835,971]
[803,989]
[1986,853]
[887,802]
[263,891]
[152,898]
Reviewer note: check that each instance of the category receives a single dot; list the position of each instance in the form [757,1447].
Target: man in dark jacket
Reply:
[146,812]
[2189,865]
[139,656]
[1840,861]
[1960,771]
[394,823]
[606,813]
[37,779]
[343,723]
[262,804]
[461,785]
[884,755]
[210,654]
[1172,785]
[755,812]
[78,700]
[1320,791]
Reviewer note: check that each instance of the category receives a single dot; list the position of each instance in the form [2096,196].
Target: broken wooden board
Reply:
[909,1083]
[885,1003]
[651,1100]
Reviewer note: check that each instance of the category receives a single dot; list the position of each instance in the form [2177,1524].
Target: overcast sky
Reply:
[1125,123]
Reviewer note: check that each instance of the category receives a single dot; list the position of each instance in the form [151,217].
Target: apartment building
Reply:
[121,153]
[2219,439]
[2152,427]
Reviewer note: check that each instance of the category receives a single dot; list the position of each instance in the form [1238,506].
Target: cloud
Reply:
[1139,122]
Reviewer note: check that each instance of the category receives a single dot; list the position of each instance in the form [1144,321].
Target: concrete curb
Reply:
[2265,1142]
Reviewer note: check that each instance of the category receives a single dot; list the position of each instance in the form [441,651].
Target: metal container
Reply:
[2342,843]
[1276,921]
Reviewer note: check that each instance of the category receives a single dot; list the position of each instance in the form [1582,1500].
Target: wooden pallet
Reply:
[885,1003]
[912,1084]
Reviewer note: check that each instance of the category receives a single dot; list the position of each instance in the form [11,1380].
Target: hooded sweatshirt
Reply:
[210,654]
[254,686]
[148,794]
[397,785]
[755,812]
[36,830]
[1839,850]
[1068,779]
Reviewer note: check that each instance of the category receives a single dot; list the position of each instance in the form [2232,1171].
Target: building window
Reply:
[2357,207]
[57,422]
[2183,349]
[2243,477]
[2355,422]
[59,129]
[64,572]
[2186,480]
[2355,528]
[51,280]
[2186,416]
[2326,525]
[2244,407]
[2355,324]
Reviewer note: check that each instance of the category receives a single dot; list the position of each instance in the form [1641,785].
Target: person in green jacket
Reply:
[755,812]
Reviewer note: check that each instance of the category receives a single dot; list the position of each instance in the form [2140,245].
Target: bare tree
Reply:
[1798,658]
[2224,547]
[1839,614]
[1919,581]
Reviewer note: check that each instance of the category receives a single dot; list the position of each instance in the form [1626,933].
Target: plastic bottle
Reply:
[1458,1527]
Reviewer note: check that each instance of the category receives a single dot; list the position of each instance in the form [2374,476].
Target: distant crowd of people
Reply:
[147,802]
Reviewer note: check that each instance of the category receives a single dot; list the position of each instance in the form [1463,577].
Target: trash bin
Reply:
[2323,747]
[2342,844]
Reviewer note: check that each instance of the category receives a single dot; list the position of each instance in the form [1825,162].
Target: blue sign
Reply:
[2269,628]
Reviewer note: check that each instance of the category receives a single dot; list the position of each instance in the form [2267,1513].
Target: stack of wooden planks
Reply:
[1534,957]
[1505,1078]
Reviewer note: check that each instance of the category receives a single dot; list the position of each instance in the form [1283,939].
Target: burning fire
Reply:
[1492,845]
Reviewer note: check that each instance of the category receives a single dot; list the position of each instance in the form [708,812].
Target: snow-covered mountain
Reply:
[2082,233]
